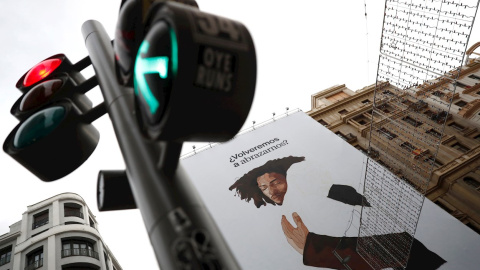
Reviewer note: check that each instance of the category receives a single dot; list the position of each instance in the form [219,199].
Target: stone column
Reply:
[52,253]
[24,228]
[55,214]
[101,255]
[85,214]
[17,261]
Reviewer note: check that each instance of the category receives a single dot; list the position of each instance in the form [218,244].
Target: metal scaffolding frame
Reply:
[422,48]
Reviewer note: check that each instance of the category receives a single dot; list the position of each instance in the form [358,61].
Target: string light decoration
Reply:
[422,47]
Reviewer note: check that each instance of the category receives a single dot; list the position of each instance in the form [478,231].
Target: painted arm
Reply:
[317,250]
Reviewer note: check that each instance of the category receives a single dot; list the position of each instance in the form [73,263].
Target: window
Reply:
[343,112]
[40,219]
[408,146]
[461,103]
[5,255]
[388,93]
[74,247]
[366,101]
[429,113]
[35,259]
[387,134]
[433,161]
[472,182]
[73,210]
[460,147]
[417,106]
[438,94]
[361,120]
[456,126]
[407,102]
[464,86]
[323,123]
[473,76]
[384,108]
[106,260]
[439,117]
[412,121]
[92,224]
[434,133]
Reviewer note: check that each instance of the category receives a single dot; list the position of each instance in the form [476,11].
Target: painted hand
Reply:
[296,237]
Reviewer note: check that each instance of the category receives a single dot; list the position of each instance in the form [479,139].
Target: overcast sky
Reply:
[302,47]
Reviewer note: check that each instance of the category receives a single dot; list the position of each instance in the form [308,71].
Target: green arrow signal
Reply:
[150,65]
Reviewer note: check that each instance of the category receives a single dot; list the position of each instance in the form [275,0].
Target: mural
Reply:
[268,184]
[288,196]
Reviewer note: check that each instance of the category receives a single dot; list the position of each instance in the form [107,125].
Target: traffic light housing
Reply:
[184,75]
[194,73]
[55,135]
[51,67]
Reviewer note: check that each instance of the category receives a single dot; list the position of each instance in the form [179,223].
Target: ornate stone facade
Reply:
[455,182]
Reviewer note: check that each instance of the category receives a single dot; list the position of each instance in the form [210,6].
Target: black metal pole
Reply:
[182,232]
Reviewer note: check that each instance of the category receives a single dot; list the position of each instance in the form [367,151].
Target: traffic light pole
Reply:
[181,231]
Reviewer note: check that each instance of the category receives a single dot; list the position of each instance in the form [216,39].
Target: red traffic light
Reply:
[41,71]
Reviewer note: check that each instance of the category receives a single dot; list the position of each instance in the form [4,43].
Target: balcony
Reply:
[34,265]
[39,223]
[79,252]
[73,213]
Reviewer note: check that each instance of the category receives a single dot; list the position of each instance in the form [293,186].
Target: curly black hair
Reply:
[247,188]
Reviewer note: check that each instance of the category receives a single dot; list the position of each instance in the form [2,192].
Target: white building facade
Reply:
[59,233]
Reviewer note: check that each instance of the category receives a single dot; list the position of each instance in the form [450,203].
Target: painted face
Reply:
[273,185]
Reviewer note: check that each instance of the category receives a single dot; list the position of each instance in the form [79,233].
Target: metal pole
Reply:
[182,232]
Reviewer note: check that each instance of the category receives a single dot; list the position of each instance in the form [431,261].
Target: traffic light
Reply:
[175,74]
[55,135]
[193,73]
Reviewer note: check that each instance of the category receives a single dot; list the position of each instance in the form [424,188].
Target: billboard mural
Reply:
[288,196]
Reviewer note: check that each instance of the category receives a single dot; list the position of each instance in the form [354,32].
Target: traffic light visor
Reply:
[41,70]
[40,94]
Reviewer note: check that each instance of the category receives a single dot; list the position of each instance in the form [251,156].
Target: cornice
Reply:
[343,102]
[328,91]
[324,92]
[453,165]
[8,237]
[62,196]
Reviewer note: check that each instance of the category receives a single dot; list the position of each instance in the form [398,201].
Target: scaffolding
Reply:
[422,48]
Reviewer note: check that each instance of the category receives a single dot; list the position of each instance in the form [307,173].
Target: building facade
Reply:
[407,146]
[59,233]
